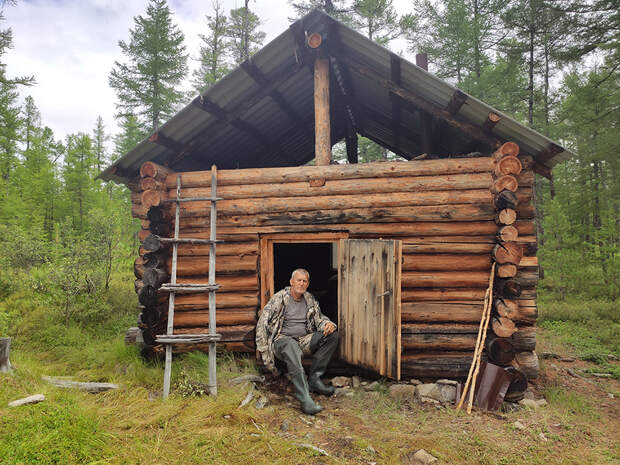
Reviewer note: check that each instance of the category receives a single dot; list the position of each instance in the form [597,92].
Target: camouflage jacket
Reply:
[271,319]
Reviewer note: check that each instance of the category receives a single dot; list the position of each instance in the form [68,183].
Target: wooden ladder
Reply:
[169,339]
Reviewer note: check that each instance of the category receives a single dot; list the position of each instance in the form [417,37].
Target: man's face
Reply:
[299,284]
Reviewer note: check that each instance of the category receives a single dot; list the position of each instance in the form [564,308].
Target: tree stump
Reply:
[5,349]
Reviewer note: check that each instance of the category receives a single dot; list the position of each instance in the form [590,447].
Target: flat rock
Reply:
[541,402]
[529,395]
[402,391]
[528,403]
[356,382]
[424,457]
[449,382]
[373,386]
[341,381]
[447,393]
[342,392]
[34,399]
[314,448]
[428,391]
[261,402]
[518,425]
[415,382]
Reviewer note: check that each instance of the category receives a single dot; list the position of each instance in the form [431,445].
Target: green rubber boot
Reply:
[316,385]
[300,383]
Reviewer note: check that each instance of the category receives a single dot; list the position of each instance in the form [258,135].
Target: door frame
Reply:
[266,242]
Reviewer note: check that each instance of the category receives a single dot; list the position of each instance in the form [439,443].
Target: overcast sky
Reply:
[70,47]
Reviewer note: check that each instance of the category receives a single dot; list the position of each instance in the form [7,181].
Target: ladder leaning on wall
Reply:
[169,339]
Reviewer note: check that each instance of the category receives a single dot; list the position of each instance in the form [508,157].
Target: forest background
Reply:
[68,239]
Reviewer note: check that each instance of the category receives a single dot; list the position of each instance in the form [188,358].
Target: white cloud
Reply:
[70,47]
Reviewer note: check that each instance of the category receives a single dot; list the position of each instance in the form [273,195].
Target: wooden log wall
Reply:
[445,211]
[236,273]
[512,337]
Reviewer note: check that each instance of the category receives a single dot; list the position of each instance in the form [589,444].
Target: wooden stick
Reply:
[487,302]
[478,349]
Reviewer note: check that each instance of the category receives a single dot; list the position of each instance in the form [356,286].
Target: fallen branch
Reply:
[88,387]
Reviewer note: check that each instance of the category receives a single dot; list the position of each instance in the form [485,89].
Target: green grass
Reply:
[132,426]
[591,328]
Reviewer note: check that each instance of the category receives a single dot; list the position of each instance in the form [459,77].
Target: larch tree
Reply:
[339,9]
[100,139]
[214,50]
[379,21]
[458,35]
[10,111]
[147,84]
[128,137]
[78,172]
[245,37]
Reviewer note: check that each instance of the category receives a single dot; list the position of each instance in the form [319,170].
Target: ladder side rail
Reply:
[173,281]
[212,235]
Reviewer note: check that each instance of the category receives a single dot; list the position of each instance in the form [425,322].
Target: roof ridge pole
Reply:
[322,123]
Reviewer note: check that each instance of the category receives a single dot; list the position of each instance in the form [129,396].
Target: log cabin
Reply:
[400,252]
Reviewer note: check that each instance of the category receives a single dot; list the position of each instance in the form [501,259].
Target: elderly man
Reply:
[291,326]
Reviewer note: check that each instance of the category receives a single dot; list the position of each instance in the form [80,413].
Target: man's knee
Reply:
[286,347]
[332,338]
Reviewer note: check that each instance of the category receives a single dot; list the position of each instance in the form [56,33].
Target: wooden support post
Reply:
[5,349]
[212,235]
[351,143]
[323,147]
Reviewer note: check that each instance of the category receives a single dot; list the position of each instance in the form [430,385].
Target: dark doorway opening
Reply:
[321,261]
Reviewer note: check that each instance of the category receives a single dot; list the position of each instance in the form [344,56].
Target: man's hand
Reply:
[329,328]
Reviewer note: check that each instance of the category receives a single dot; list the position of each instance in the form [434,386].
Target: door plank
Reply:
[369,304]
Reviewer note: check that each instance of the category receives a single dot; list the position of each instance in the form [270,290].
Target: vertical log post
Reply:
[323,147]
[5,349]
[173,280]
[351,143]
[212,236]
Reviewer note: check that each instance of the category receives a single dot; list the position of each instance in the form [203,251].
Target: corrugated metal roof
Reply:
[262,113]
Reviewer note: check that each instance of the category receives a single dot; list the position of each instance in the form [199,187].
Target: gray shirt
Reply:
[294,323]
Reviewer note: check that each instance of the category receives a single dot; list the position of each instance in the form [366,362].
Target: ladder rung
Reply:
[188,240]
[187,338]
[194,199]
[189,288]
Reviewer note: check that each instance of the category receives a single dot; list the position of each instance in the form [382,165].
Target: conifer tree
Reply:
[10,118]
[129,136]
[99,141]
[214,50]
[458,35]
[147,83]
[378,20]
[339,9]
[245,38]
[78,173]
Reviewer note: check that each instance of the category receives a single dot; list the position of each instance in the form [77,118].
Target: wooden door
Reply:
[369,304]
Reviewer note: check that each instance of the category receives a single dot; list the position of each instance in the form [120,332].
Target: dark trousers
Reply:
[322,347]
